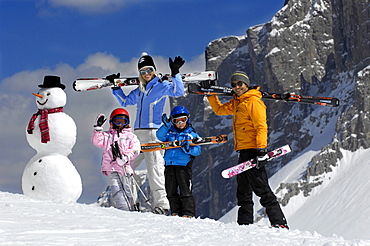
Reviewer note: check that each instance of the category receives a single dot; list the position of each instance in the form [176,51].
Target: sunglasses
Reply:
[120,121]
[148,70]
[181,119]
[239,83]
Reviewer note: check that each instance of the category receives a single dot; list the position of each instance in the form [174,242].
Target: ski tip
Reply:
[225,174]
[74,86]
[287,147]
[335,102]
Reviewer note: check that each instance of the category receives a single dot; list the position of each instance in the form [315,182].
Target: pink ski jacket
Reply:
[127,142]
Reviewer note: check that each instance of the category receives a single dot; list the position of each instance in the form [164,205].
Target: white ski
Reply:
[244,166]
[87,84]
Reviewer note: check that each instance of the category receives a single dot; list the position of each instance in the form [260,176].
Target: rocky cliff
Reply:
[310,47]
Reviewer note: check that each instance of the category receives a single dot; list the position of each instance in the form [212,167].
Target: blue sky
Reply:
[94,38]
[43,33]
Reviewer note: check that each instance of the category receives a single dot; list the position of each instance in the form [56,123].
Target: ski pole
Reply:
[142,193]
[126,176]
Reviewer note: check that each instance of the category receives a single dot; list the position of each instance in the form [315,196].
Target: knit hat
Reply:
[240,76]
[146,61]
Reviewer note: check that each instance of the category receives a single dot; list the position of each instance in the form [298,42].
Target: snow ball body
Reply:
[62,131]
[51,177]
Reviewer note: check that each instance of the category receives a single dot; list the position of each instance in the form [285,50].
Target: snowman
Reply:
[50,175]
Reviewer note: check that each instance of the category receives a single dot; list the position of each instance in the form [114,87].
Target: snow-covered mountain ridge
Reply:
[315,47]
[25,221]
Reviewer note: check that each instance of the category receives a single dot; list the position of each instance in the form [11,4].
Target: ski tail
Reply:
[244,166]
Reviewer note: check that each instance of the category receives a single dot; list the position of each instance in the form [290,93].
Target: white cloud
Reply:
[17,105]
[90,6]
[103,63]
[48,7]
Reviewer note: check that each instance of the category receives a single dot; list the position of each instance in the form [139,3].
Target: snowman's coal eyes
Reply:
[48,94]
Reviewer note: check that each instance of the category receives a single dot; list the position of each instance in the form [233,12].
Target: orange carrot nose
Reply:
[38,95]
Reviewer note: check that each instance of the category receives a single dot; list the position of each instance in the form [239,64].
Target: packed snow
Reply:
[25,221]
[340,206]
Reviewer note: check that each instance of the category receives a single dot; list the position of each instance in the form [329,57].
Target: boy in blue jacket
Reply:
[179,161]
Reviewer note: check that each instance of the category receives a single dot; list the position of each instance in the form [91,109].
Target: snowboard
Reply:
[88,84]
[149,147]
[244,166]
[196,88]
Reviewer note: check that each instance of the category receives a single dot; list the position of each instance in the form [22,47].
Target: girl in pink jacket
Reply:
[121,147]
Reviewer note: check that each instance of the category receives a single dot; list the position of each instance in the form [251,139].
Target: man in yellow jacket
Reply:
[250,140]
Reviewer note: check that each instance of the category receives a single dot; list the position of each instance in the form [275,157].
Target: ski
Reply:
[195,88]
[199,76]
[149,147]
[289,97]
[244,166]
[88,84]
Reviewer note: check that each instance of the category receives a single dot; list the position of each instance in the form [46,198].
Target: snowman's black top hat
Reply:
[51,81]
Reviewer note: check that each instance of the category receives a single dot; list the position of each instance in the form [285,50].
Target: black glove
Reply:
[175,65]
[100,120]
[166,121]
[116,88]
[285,96]
[164,77]
[111,78]
[262,158]
[206,84]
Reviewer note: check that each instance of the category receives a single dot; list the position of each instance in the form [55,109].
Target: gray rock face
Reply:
[311,47]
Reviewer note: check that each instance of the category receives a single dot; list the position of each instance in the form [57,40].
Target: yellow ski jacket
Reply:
[249,118]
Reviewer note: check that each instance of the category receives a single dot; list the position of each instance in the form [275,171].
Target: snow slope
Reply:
[340,206]
[24,221]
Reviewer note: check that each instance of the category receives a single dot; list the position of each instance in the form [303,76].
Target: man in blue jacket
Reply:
[150,98]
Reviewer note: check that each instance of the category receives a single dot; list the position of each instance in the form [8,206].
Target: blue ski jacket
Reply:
[178,156]
[150,104]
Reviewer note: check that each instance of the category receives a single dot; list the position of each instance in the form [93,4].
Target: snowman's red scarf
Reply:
[44,127]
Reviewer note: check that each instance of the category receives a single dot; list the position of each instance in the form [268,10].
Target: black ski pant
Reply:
[179,178]
[255,180]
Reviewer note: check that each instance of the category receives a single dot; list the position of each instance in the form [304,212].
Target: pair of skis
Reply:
[196,88]
[88,84]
